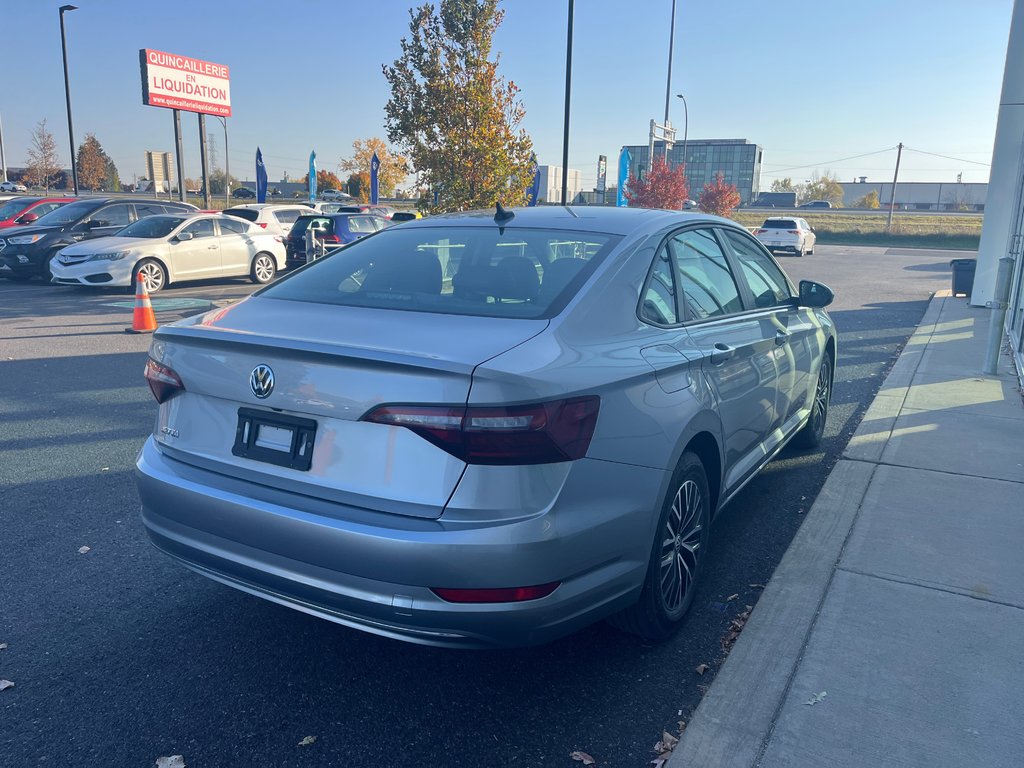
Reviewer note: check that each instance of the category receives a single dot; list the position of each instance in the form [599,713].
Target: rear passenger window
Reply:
[659,304]
[286,217]
[707,283]
[361,224]
[230,226]
[150,210]
[766,280]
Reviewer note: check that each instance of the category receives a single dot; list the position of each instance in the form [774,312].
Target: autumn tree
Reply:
[870,200]
[217,181]
[324,180]
[393,167]
[719,197]
[358,185]
[783,185]
[91,164]
[822,187]
[455,117]
[661,187]
[43,164]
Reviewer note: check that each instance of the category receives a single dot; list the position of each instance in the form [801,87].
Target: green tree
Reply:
[822,187]
[43,164]
[719,197]
[455,117]
[393,167]
[217,179]
[783,185]
[870,200]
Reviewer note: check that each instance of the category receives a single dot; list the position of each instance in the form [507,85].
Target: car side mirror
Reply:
[26,218]
[184,236]
[96,223]
[814,295]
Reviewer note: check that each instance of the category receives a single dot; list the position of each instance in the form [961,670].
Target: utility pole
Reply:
[895,177]
[179,155]
[67,94]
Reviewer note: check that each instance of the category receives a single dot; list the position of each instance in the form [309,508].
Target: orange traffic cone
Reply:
[143,318]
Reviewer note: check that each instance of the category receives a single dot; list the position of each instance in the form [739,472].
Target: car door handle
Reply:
[781,337]
[722,353]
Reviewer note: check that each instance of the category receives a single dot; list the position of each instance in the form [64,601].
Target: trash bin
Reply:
[963,276]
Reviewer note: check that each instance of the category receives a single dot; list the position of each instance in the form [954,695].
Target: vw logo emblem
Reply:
[261,381]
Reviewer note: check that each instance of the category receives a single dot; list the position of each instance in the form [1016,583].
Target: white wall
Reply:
[1006,179]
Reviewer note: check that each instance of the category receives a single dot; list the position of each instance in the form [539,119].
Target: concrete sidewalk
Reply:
[892,633]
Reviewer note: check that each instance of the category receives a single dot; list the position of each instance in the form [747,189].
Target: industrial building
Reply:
[919,195]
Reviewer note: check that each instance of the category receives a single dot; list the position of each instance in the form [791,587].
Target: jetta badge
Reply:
[261,381]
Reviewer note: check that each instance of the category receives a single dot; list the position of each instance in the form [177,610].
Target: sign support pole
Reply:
[203,159]
[179,157]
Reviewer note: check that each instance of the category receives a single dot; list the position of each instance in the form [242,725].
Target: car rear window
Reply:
[248,214]
[779,224]
[485,271]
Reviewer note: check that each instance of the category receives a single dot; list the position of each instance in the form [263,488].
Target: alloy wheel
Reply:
[819,411]
[680,546]
[152,276]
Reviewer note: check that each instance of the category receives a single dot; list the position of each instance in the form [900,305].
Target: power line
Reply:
[829,162]
[947,157]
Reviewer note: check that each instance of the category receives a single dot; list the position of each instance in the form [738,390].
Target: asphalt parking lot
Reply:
[120,656]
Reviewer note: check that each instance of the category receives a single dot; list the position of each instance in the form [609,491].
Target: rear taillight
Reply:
[540,433]
[164,383]
[331,239]
[793,231]
[500,595]
[760,231]
[261,224]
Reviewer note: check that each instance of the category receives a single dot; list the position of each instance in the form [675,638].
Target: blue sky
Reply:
[812,82]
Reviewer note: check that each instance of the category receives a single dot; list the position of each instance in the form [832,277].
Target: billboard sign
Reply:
[602,172]
[180,82]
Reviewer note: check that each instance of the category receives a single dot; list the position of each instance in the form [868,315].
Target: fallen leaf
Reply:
[757,586]
[582,757]
[660,761]
[307,741]
[668,740]
[83,550]
[732,597]
[816,698]
[5,684]
[682,725]
[104,469]
[3,646]
[701,669]
[174,761]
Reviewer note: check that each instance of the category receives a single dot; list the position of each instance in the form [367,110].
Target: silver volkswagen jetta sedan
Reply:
[485,429]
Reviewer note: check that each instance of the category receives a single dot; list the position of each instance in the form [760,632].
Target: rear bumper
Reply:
[373,571]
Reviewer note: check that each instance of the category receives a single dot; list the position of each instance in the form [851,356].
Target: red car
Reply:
[25,210]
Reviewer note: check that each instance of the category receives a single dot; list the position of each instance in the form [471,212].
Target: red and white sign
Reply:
[180,82]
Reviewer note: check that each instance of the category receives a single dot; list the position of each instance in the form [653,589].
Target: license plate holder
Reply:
[275,438]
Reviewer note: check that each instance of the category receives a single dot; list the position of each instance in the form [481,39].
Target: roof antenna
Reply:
[503,215]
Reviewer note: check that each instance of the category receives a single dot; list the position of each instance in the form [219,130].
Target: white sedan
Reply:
[169,249]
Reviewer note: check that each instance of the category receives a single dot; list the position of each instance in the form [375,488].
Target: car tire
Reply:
[677,556]
[154,276]
[264,267]
[813,431]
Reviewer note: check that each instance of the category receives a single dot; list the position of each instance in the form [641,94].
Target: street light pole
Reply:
[67,93]
[565,134]
[671,41]
[686,124]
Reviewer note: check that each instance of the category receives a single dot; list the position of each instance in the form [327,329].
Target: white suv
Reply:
[276,218]
[334,194]
[12,186]
[788,235]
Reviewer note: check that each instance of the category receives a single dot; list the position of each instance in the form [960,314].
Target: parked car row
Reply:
[107,241]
